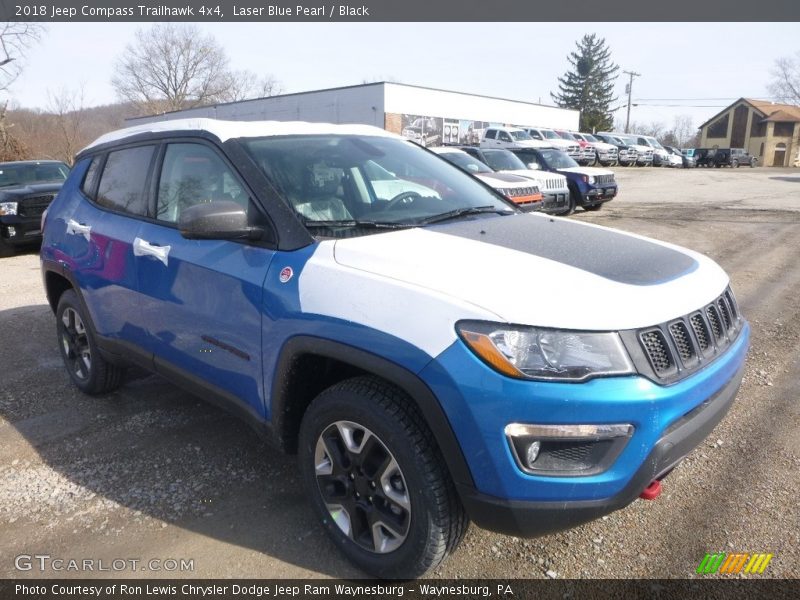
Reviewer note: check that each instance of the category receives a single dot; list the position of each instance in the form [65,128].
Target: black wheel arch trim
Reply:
[404,379]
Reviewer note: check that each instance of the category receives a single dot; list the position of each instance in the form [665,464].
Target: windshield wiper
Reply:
[461,212]
[357,223]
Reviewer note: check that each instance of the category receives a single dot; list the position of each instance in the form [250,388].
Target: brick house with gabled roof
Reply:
[767,130]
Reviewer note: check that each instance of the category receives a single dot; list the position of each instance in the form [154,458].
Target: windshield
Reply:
[466,162]
[520,135]
[341,182]
[589,137]
[32,173]
[565,136]
[556,159]
[503,160]
[654,143]
[550,134]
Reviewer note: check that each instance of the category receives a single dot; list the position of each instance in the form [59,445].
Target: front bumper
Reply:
[598,195]
[527,519]
[669,422]
[19,231]
[555,201]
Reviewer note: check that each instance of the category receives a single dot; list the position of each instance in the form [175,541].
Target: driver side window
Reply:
[194,174]
[504,137]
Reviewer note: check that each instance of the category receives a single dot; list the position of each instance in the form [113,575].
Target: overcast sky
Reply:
[705,65]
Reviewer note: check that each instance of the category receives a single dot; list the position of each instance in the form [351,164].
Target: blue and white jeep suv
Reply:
[433,358]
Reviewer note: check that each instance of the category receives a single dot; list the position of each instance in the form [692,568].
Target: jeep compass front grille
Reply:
[670,351]
[655,344]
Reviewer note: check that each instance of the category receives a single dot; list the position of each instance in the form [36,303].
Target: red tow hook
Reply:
[652,491]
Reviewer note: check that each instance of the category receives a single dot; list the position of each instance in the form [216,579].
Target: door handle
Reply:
[75,228]
[144,248]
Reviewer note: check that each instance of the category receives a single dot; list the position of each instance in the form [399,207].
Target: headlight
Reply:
[588,178]
[8,208]
[546,354]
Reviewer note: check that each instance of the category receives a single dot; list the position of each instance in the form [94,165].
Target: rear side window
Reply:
[490,133]
[122,185]
[90,179]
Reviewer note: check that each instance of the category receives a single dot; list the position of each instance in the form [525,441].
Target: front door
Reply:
[202,298]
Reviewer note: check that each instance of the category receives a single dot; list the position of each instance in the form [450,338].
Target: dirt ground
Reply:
[151,473]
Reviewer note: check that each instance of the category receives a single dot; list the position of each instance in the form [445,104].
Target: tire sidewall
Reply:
[348,406]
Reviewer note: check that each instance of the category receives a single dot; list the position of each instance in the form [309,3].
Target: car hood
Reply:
[538,175]
[503,178]
[604,146]
[27,190]
[593,171]
[530,269]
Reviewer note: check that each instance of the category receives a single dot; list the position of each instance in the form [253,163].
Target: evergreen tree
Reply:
[589,85]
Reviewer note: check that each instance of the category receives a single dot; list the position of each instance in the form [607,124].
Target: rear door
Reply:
[201,299]
[98,238]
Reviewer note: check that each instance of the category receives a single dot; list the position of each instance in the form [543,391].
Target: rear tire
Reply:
[89,371]
[377,480]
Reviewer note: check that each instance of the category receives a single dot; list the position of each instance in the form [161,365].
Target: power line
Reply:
[698,99]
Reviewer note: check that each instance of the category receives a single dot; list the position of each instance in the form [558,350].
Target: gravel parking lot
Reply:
[150,472]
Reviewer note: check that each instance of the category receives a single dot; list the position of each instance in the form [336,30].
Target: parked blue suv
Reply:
[391,332]
[589,187]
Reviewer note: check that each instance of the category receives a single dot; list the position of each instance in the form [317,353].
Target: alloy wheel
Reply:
[362,486]
[75,343]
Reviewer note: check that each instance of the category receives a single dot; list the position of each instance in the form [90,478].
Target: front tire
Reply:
[574,195]
[377,480]
[89,371]
[6,249]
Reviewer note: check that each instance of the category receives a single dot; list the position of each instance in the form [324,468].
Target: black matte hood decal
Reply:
[607,253]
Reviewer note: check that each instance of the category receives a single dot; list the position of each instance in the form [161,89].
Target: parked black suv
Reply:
[733,157]
[26,190]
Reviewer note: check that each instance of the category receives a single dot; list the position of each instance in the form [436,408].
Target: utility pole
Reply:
[629,90]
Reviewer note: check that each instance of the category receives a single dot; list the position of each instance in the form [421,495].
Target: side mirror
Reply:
[218,220]
[534,166]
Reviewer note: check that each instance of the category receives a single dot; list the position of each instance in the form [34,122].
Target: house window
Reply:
[719,128]
[783,129]
[758,128]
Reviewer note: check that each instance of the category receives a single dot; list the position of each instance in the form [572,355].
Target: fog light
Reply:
[12,232]
[532,453]
[565,449]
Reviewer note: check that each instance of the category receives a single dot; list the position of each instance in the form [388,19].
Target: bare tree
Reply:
[15,40]
[243,85]
[785,84]
[683,131]
[173,67]
[68,117]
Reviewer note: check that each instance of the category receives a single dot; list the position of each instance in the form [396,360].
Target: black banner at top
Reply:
[210,11]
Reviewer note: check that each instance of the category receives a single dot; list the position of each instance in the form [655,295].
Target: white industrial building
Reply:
[426,115]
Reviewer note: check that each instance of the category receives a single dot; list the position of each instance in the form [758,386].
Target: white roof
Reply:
[226,130]
[446,149]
